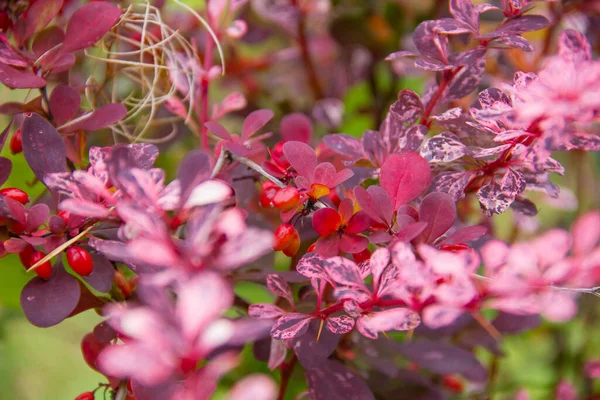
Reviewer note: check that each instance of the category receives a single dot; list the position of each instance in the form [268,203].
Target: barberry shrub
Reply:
[184,152]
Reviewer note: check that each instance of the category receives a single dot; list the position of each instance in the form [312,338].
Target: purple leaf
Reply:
[465,12]
[40,14]
[296,127]
[429,64]
[64,103]
[47,303]
[453,183]
[513,324]
[264,311]
[37,215]
[345,145]
[301,157]
[524,206]
[525,23]
[44,149]
[493,199]
[101,278]
[408,107]
[515,42]
[194,169]
[312,352]
[450,26]
[513,182]
[443,358]
[439,211]
[280,287]
[290,326]
[88,24]
[253,122]
[405,176]
[429,42]
[443,148]
[20,79]
[332,381]
[585,141]
[573,46]
[339,325]
[466,80]
[5,169]
[103,117]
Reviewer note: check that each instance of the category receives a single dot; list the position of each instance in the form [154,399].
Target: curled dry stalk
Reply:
[147,64]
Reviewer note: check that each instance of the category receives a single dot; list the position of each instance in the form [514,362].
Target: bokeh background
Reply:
[46,364]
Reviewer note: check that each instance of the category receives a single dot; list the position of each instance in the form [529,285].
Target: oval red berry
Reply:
[15,194]
[44,270]
[16,142]
[80,260]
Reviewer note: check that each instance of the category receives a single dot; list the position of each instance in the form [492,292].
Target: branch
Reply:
[595,291]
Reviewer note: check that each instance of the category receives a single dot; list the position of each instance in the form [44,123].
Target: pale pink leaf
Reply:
[290,325]
[404,176]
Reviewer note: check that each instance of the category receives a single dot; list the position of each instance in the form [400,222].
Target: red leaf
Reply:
[103,117]
[88,24]
[301,157]
[253,122]
[404,176]
[326,221]
[64,103]
[439,211]
[40,14]
[296,127]
[10,56]
[18,79]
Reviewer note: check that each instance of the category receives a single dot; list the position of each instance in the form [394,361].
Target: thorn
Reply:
[410,334]
[320,329]
[385,334]
[485,324]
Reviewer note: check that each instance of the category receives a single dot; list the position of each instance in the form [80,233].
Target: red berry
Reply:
[362,256]
[44,271]
[287,239]
[286,199]
[16,142]
[64,215]
[91,348]
[15,194]
[80,260]
[25,256]
[85,396]
[452,383]
[269,190]
[455,248]
[312,248]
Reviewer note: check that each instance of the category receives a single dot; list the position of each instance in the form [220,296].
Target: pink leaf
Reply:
[399,319]
[153,252]
[466,234]
[253,122]
[301,157]
[277,354]
[296,127]
[586,233]
[264,311]
[9,55]
[218,130]
[311,266]
[376,203]
[439,211]
[280,287]
[340,325]
[64,103]
[88,24]
[411,231]
[255,387]
[290,325]
[437,315]
[573,46]
[344,272]
[404,176]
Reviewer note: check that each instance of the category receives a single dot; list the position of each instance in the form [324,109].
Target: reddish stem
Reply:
[286,372]
[311,73]
[447,77]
